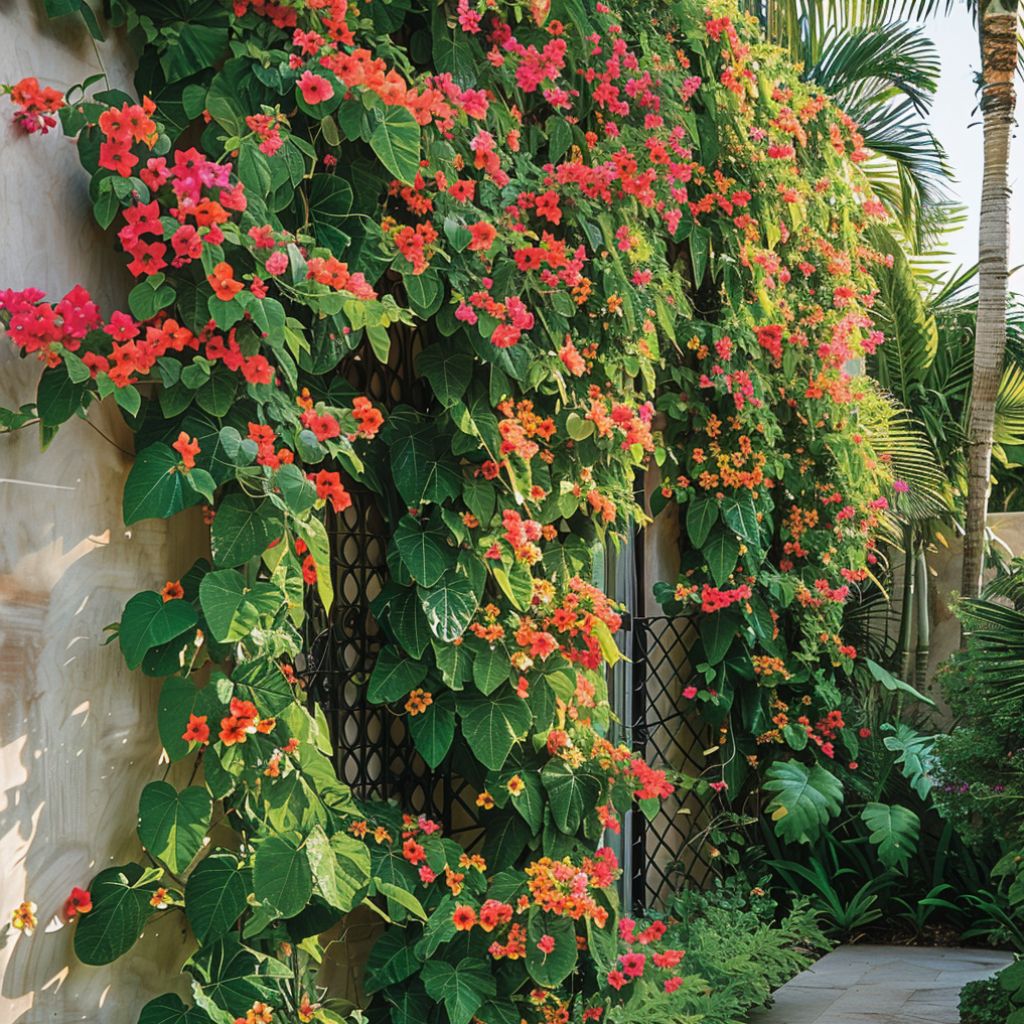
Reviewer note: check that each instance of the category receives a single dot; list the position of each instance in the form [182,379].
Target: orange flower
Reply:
[187,448]
[307,1010]
[464,918]
[173,591]
[482,235]
[79,902]
[418,702]
[197,731]
[515,785]
[223,282]
[159,899]
[233,730]
[485,800]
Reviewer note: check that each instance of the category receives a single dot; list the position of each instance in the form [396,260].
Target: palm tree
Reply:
[998,26]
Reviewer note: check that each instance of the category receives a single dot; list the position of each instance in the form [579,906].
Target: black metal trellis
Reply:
[373,750]
[665,852]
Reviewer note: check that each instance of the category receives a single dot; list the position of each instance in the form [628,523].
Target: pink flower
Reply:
[690,692]
[277,264]
[315,88]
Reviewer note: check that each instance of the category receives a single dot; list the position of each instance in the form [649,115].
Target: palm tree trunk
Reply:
[998,62]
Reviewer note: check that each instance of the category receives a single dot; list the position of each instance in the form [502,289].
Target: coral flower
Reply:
[197,731]
[188,449]
[315,88]
[483,235]
[172,591]
[79,902]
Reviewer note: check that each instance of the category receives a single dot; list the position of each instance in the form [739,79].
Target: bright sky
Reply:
[957,122]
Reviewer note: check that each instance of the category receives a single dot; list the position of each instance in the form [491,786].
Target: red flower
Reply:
[233,730]
[314,88]
[329,488]
[187,448]
[173,591]
[483,235]
[197,731]
[79,902]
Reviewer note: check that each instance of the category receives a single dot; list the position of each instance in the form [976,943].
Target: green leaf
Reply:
[281,875]
[434,729]
[391,961]
[394,676]
[169,1009]
[894,683]
[805,799]
[915,755]
[232,609]
[148,621]
[147,299]
[155,489]
[58,398]
[243,528]
[701,515]
[180,698]
[895,830]
[572,794]
[492,726]
[491,667]
[408,623]
[424,550]
[741,517]
[550,969]
[721,551]
[463,988]
[420,474]
[172,825]
[215,896]
[396,141]
[449,372]
[340,866]
[120,909]
[450,605]
[717,631]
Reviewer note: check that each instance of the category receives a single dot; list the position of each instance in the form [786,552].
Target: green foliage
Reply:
[805,799]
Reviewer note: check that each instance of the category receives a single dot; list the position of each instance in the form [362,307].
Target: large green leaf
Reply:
[149,621]
[462,988]
[572,794]
[340,866]
[895,830]
[450,605]
[915,756]
[391,961]
[721,550]
[281,875]
[493,725]
[243,528]
[421,474]
[172,825]
[449,371]
[215,896]
[805,799]
[394,676]
[701,515]
[424,550]
[120,909]
[550,969]
[717,631]
[155,489]
[169,1009]
[396,141]
[231,607]
[434,729]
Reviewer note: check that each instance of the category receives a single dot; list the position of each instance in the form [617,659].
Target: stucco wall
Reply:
[77,733]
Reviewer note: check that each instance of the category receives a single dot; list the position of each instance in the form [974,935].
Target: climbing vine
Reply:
[553,206]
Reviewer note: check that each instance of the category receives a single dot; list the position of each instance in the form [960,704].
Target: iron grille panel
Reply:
[669,850]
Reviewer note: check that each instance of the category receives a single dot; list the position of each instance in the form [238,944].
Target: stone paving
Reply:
[881,985]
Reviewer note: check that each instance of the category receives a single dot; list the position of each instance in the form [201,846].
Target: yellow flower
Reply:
[485,800]
[515,785]
[24,917]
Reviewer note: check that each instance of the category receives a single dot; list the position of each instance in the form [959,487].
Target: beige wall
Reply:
[77,730]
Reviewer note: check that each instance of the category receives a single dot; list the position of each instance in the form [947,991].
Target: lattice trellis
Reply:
[665,852]
[373,750]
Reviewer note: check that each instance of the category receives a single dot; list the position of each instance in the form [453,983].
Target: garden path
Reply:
[882,985]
